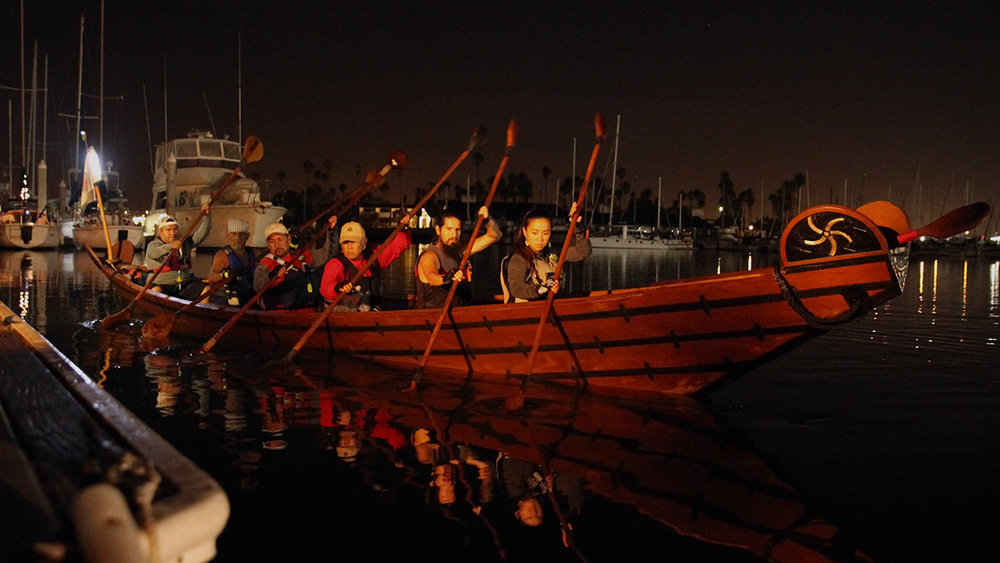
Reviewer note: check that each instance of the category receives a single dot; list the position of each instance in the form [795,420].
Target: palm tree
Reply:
[727,199]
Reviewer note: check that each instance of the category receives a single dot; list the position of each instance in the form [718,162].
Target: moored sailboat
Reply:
[96,228]
[23,224]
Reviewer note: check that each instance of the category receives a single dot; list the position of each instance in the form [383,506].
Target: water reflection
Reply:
[498,466]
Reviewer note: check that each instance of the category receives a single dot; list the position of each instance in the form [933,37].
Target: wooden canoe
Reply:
[69,455]
[677,337]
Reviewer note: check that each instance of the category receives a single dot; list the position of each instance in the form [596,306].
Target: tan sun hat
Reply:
[275,229]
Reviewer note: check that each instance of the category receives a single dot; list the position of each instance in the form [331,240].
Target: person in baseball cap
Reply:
[365,295]
[291,279]
[174,255]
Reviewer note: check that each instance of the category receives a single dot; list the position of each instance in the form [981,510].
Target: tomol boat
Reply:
[187,170]
[676,337]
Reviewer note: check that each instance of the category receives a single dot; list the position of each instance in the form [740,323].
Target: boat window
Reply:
[210,149]
[161,200]
[186,149]
[233,151]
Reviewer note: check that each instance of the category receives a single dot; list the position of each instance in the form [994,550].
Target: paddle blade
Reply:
[123,252]
[398,159]
[118,318]
[951,223]
[253,150]
[599,128]
[158,327]
[477,138]
[511,134]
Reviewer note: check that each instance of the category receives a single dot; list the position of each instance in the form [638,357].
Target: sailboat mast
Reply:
[659,192]
[100,96]
[23,158]
[45,111]
[79,97]
[239,80]
[614,171]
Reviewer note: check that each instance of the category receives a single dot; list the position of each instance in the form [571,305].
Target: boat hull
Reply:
[93,235]
[30,235]
[678,337]
[635,243]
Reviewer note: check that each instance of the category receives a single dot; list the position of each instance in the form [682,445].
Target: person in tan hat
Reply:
[234,262]
[366,294]
[175,277]
[437,267]
[296,275]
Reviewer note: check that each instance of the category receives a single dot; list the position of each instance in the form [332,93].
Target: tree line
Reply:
[314,190]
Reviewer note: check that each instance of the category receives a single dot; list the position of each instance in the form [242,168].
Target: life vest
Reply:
[240,289]
[243,284]
[298,290]
[368,296]
[433,296]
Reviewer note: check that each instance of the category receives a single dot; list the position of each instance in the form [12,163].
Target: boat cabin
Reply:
[19,210]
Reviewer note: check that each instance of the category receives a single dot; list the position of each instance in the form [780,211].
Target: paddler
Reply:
[437,267]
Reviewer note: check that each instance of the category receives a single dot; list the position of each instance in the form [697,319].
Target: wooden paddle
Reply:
[397,159]
[573,218]
[253,151]
[160,326]
[404,222]
[951,223]
[511,140]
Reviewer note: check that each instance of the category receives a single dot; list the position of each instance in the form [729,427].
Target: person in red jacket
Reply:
[294,281]
[366,294]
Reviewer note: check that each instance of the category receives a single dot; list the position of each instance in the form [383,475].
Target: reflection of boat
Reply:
[668,458]
[76,459]
[23,225]
[187,170]
[638,237]
[673,337]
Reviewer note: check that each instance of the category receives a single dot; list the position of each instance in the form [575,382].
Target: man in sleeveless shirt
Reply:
[437,267]
[234,262]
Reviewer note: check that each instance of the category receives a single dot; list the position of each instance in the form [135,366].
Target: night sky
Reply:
[866,93]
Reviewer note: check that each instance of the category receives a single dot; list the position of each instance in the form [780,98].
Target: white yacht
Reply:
[187,170]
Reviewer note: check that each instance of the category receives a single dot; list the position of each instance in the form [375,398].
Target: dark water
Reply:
[881,436]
